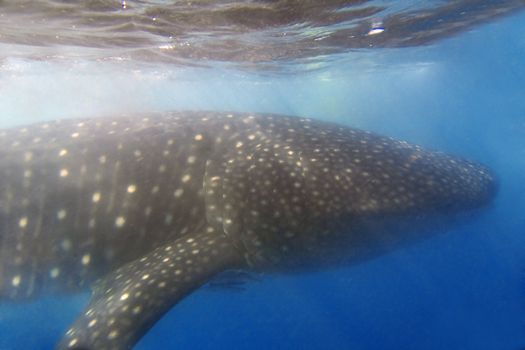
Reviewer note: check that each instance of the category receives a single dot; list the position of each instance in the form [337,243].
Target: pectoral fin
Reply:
[128,301]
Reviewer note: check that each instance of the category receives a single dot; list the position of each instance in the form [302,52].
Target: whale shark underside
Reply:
[145,209]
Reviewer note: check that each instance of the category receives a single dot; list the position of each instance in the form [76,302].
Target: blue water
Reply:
[464,289]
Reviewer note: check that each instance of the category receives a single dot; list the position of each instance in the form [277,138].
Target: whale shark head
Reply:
[322,193]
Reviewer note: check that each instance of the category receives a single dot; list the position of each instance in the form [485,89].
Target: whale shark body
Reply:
[143,210]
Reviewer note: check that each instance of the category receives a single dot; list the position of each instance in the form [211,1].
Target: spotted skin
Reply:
[145,209]
[127,302]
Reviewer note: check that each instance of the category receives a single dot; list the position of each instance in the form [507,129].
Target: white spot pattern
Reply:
[279,187]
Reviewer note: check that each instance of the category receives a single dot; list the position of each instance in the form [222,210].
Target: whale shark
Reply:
[141,210]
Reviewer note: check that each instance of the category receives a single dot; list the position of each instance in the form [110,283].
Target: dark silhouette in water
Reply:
[146,209]
[233,280]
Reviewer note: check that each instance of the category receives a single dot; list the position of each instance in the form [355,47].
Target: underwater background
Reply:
[463,93]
